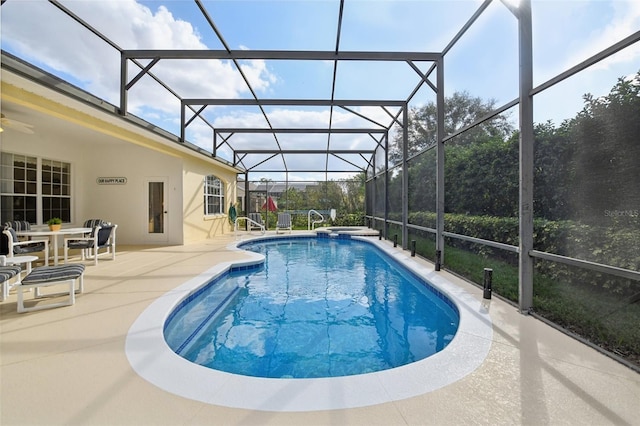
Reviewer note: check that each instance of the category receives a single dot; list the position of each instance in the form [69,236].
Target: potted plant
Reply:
[55,223]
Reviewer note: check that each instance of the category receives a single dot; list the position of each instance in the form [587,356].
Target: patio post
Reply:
[526,156]
[123,85]
[386,187]
[440,163]
[247,199]
[405,175]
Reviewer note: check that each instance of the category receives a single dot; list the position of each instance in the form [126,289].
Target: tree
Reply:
[606,171]
[324,195]
[422,182]
[482,178]
[292,199]
[461,109]
[353,194]
[553,171]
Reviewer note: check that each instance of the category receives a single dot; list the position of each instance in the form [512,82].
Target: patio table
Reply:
[53,237]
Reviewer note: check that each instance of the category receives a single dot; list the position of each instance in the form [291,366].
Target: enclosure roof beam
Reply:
[302,151]
[291,55]
[293,130]
[255,170]
[292,102]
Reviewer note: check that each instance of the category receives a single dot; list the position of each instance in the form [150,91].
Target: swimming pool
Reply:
[152,359]
[317,307]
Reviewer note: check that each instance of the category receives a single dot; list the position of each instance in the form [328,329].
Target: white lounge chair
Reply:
[284,222]
[256,221]
[45,276]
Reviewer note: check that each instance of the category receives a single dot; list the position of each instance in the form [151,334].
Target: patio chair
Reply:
[257,218]
[19,225]
[92,223]
[12,246]
[284,222]
[102,236]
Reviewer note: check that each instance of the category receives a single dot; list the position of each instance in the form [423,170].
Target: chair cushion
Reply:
[103,235]
[14,236]
[256,217]
[28,248]
[80,244]
[19,225]
[284,220]
[4,242]
[93,223]
[43,274]
[8,272]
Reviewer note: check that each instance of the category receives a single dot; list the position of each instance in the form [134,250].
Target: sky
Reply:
[483,63]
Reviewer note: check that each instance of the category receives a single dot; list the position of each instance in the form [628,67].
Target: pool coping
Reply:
[152,359]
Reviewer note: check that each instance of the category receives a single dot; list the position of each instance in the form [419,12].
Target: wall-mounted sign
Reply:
[111,181]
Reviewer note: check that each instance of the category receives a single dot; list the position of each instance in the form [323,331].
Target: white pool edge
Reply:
[152,359]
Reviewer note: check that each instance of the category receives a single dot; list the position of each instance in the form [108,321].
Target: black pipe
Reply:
[438,259]
[413,248]
[395,240]
[488,278]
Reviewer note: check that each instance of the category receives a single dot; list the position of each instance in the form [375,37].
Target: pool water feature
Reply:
[153,360]
[317,307]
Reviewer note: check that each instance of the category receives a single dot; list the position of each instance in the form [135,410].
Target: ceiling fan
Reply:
[15,125]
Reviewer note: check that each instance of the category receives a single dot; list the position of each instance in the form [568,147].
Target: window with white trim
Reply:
[213,195]
[34,189]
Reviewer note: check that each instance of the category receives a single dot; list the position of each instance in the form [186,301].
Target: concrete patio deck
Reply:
[67,366]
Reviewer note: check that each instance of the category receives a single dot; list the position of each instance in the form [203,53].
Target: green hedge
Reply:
[598,307]
[353,219]
[612,245]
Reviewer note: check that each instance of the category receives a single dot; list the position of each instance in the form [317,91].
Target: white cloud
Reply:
[625,21]
[288,118]
[73,50]
[42,34]
[567,33]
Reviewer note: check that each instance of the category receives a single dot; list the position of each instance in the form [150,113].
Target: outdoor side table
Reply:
[16,260]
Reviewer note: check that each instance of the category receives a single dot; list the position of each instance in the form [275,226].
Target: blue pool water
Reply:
[317,307]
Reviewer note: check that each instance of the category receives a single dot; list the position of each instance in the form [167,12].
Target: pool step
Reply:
[202,326]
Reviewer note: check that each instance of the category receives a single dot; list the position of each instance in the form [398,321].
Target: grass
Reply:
[602,317]
[471,266]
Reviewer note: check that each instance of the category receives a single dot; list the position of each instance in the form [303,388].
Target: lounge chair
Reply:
[284,222]
[256,221]
[45,276]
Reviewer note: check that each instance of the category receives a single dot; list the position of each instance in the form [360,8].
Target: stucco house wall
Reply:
[195,223]
[98,144]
